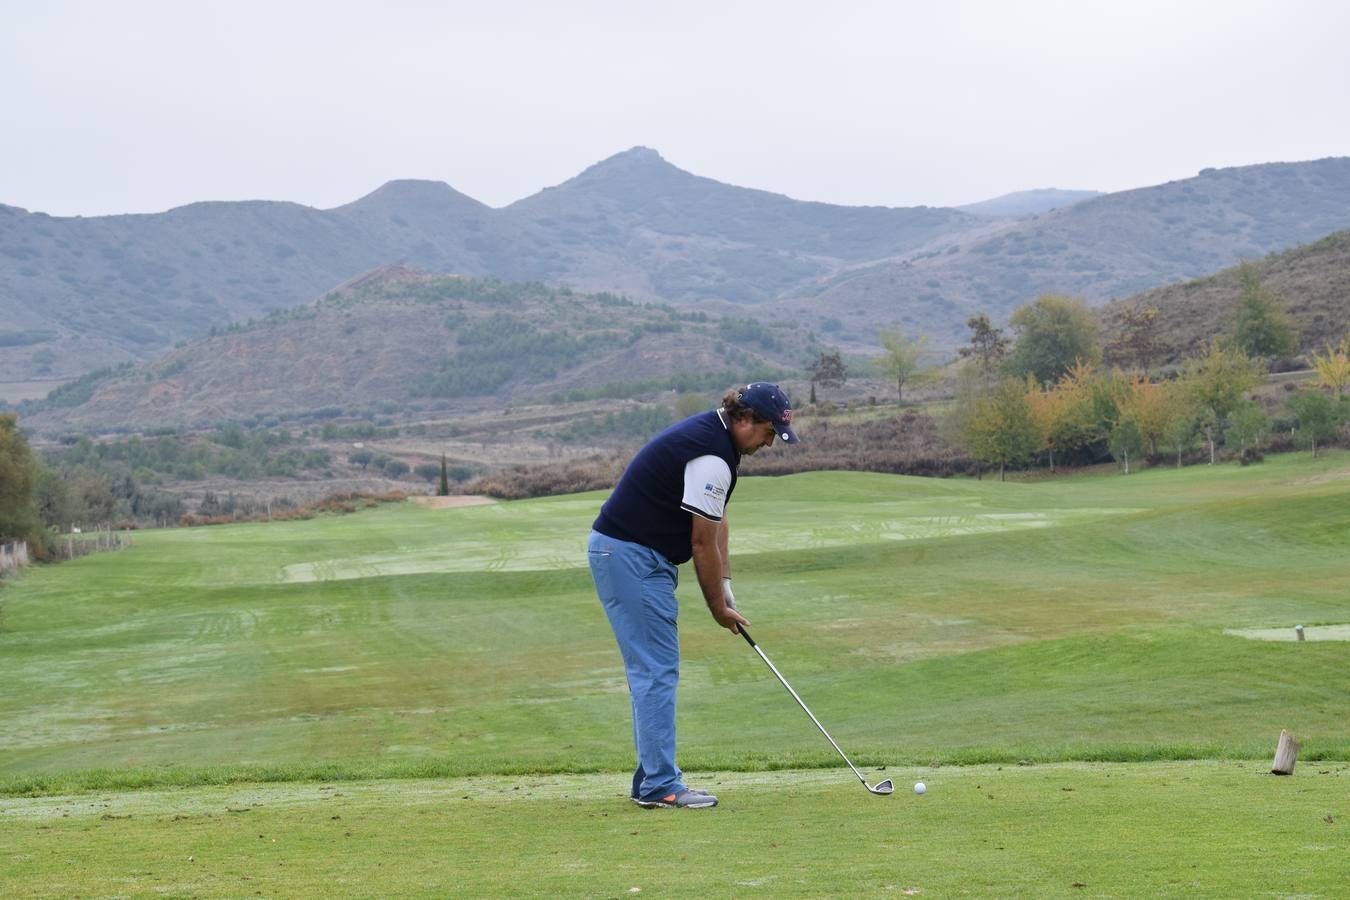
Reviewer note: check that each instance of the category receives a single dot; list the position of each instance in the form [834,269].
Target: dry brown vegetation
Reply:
[335,504]
[591,473]
[904,444]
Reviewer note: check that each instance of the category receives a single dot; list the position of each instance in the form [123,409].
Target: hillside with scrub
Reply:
[1310,285]
[401,341]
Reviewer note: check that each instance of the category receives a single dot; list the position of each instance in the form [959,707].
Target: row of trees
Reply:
[1033,399]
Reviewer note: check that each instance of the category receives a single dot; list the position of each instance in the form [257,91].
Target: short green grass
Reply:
[1190,829]
[975,624]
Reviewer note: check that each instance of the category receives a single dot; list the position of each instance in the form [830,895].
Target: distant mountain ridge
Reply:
[78,294]
[1110,246]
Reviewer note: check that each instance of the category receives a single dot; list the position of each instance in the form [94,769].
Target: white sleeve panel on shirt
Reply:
[706,480]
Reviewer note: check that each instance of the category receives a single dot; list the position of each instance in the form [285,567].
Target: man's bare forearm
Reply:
[723,542]
[709,543]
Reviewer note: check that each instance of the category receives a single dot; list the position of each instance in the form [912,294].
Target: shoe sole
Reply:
[657,804]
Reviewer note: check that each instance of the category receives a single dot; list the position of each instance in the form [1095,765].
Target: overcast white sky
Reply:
[140,106]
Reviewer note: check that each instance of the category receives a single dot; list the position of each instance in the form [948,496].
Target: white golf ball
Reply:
[919,788]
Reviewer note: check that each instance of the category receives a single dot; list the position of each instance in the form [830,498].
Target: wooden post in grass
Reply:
[1286,754]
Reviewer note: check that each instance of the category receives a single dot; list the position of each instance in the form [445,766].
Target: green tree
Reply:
[1214,384]
[1247,430]
[395,468]
[1261,328]
[828,370]
[97,506]
[1001,430]
[903,360]
[1315,414]
[1053,332]
[55,505]
[1126,440]
[988,347]
[427,471]
[1180,433]
[19,519]
[443,489]
[360,458]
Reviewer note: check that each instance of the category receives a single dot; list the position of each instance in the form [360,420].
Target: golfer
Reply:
[668,507]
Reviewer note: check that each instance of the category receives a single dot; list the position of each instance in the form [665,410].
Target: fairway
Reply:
[1079,648]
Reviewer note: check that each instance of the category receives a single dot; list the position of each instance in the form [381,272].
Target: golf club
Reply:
[882,787]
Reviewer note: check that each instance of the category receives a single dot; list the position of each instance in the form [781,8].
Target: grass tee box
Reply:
[1209,829]
[923,619]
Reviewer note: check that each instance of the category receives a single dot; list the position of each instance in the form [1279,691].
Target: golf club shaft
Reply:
[774,669]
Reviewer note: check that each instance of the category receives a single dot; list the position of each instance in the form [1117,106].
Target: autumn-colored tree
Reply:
[1063,413]
[1001,430]
[1153,406]
[1044,404]
[1333,367]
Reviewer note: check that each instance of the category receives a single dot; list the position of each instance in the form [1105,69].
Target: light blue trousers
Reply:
[637,589]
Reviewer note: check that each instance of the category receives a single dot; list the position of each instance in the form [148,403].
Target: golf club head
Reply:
[883,787]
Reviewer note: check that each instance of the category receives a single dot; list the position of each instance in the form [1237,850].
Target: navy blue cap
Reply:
[772,405]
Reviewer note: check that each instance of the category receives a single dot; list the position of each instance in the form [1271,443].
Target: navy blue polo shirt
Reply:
[649,505]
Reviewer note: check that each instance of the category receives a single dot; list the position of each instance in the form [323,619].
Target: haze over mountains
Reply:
[78,294]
